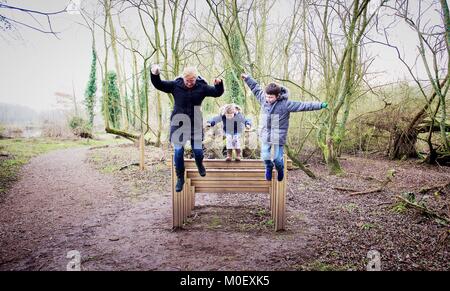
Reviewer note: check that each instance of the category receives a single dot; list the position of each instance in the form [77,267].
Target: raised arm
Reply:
[255,87]
[165,86]
[216,90]
[216,119]
[296,106]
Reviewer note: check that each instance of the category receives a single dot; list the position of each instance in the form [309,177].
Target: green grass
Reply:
[19,151]
[367,226]
[215,222]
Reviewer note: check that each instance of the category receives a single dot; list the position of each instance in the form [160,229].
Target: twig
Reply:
[423,209]
[367,192]
[127,166]
[137,164]
[367,177]
[344,189]
[440,187]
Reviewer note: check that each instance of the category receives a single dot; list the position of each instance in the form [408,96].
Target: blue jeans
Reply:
[179,155]
[277,157]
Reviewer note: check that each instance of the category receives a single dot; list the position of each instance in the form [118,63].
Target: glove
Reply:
[324,105]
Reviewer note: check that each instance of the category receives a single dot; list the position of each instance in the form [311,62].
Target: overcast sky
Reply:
[35,65]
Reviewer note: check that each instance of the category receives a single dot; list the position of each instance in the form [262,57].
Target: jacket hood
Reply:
[284,94]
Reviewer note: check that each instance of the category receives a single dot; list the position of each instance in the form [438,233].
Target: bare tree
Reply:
[38,20]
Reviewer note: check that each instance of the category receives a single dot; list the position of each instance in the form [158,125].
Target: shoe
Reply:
[229,155]
[180,180]
[200,167]
[238,155]
[280,171]
[280,175]
[269,169]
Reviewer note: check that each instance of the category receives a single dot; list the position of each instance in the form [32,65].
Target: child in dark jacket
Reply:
[233,125]
[274,123]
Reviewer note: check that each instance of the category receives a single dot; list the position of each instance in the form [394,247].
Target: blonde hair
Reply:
[190,72]
[230,108]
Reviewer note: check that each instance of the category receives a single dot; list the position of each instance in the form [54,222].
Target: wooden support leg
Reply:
[188,198]
[273,186]
[192,198]
[275,200]
[281,200]
[175,209]
[183,202]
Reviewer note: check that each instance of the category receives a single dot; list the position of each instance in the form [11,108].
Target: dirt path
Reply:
[61,204]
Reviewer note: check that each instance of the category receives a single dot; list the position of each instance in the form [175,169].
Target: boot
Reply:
[201,168]
[269,169]
[238,155]
[180,180]
[229,155]
[280,170]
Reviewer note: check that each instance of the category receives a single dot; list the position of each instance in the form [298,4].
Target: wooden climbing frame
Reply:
[246,176]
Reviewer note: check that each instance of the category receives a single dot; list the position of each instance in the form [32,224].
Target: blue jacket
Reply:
[231,126]
[274,118]
[187,101]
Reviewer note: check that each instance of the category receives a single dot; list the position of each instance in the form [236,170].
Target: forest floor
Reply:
[120,219]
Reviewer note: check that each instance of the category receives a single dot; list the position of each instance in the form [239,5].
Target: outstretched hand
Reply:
[244,76]
[155,69]
[217,81]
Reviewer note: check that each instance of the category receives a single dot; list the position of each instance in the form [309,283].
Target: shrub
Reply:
[80,127]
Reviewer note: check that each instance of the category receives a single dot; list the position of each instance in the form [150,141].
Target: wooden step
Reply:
[226,184]
[232,190]
[221,164]
[227,173]
[228,179]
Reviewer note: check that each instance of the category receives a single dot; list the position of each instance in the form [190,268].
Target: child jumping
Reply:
[274,124]
[233,124]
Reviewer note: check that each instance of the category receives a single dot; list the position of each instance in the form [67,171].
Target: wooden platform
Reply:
[246,176]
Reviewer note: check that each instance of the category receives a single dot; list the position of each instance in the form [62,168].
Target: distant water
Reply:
[22,131]
[29,132]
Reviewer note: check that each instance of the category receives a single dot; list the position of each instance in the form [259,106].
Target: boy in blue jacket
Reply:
[233,125]
[274,124]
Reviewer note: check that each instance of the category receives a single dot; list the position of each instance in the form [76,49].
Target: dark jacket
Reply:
[231,126]
[274,118]
[187,102]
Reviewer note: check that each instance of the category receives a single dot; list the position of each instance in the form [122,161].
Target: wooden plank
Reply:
[193,197]
[283,205]
[175,208]
[218,164]
[272,197]
[189,198]
[232,190]
[281,202]
[229,179]
[184,203]
[229,173]
[275,201]
[226,184]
